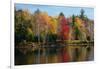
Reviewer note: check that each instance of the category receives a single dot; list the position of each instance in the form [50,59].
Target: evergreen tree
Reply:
[82,14]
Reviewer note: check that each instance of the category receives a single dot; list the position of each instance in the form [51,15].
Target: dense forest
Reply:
[41,27]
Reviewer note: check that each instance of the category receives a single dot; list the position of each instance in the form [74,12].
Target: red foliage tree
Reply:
[64,28]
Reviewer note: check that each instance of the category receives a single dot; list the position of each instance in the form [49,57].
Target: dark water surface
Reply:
[54,55]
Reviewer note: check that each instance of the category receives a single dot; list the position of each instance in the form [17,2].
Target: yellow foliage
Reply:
[78,22]
[29,30]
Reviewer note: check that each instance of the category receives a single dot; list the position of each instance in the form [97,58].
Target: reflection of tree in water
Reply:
[20,58]
[77,53]
[89,55]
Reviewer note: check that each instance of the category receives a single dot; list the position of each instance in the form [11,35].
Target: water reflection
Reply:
[55,54]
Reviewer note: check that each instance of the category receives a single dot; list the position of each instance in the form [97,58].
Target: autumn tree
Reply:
[63,27]
[23,27]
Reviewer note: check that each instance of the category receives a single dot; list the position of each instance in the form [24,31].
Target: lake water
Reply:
[55,54]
